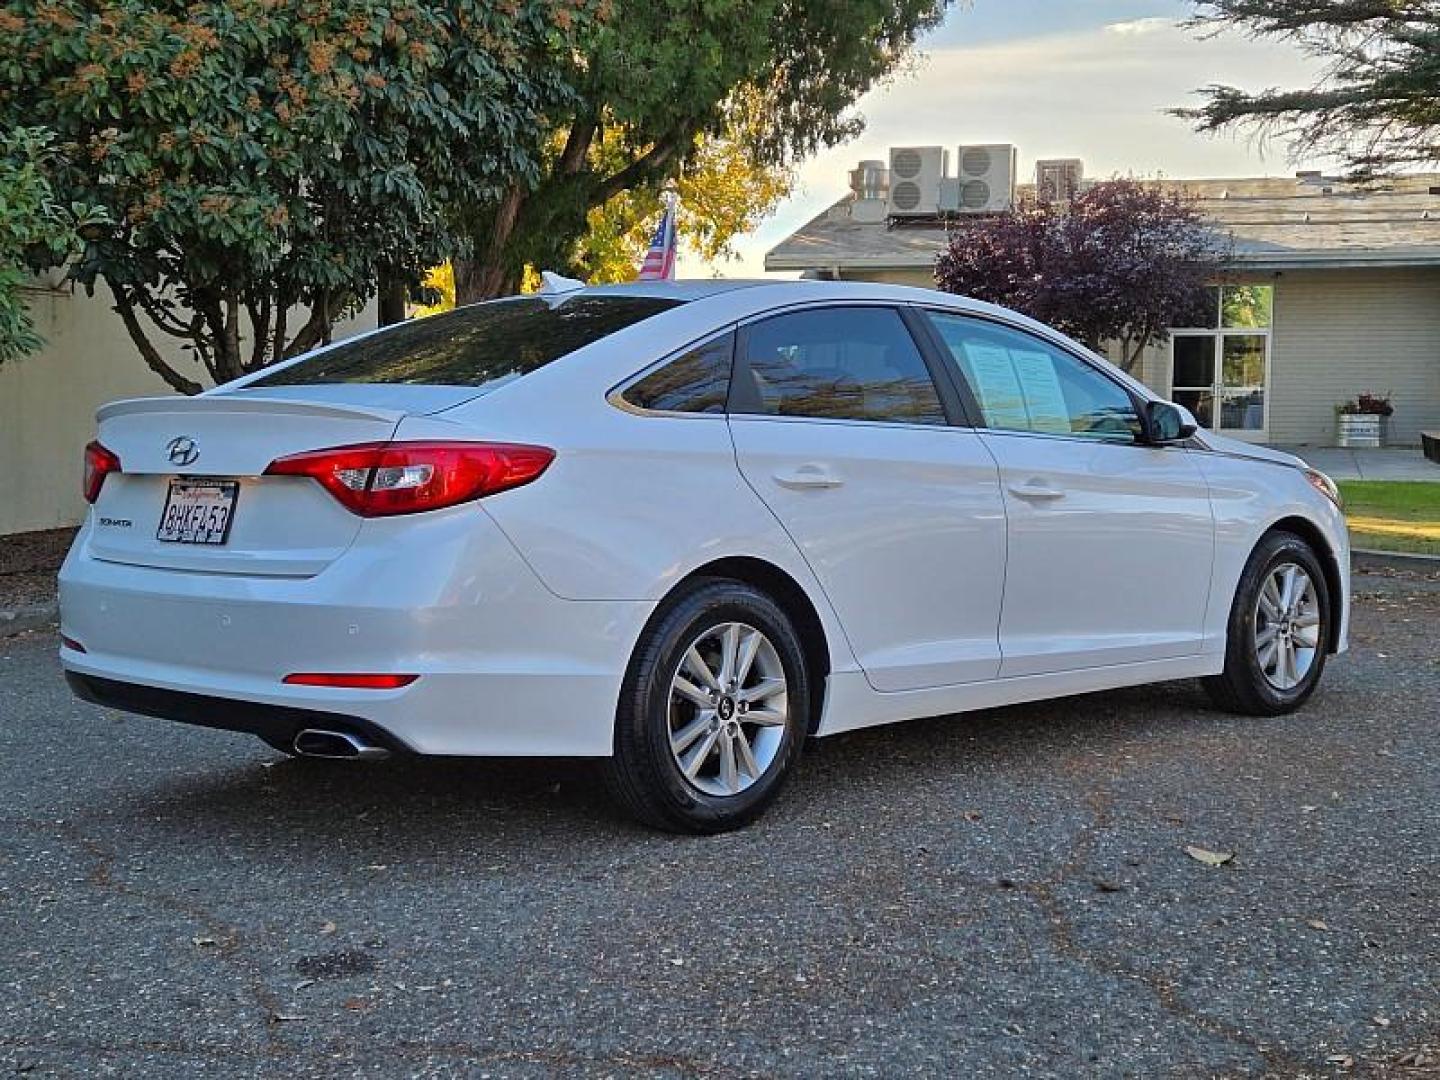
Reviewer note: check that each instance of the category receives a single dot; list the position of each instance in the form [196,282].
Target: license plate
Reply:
[198,511]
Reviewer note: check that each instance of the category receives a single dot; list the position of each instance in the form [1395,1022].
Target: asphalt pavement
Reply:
[1002,893]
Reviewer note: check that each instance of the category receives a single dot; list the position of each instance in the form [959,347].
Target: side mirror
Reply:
[1167,423]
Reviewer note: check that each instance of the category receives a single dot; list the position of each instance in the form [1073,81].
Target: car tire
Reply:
[1275,644]
[665,730]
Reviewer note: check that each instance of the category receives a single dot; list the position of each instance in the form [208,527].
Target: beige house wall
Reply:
[48,402]
[1339,333]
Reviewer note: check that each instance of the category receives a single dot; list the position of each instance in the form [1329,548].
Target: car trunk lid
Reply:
[278,525]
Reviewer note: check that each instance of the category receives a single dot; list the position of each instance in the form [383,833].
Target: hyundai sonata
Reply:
[681,528]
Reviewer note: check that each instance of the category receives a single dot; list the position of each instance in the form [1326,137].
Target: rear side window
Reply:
[697,382]
[839,363]
[484,345]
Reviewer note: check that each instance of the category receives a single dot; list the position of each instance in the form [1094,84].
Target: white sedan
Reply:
[681,527]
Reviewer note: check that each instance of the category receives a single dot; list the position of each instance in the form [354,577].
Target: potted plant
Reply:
[1361,421]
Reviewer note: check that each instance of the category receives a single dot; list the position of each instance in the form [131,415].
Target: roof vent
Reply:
[1435,189]
[870,180]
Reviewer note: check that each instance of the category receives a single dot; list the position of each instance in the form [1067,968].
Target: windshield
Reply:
[483,345]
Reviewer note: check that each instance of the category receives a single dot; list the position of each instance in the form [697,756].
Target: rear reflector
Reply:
[381,479]
[71,644]
[99,463]
[351,682]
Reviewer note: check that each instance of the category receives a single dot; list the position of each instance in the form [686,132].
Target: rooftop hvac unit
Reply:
[915,175]
[985,180]
[1058,179]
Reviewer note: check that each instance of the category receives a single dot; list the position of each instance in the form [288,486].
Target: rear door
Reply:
[1111,541]
[842,429]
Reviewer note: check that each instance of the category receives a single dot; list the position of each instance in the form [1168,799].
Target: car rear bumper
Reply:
[505,668]
[278,724]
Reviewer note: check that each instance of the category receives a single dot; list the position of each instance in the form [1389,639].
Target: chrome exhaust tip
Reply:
[317,743]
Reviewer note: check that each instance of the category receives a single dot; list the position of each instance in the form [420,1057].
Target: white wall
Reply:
[48,402]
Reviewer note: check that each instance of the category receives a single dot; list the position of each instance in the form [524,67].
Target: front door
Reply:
[1110,541]
[1220,372]
[840,428]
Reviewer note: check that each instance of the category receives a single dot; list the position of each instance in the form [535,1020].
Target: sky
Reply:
[1088,79]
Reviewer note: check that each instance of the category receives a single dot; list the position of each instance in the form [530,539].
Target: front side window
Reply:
[483,345]
[696,382]
[1022,383]
[839,364]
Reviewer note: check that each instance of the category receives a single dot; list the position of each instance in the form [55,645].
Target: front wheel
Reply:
[713,712]
[1279,630]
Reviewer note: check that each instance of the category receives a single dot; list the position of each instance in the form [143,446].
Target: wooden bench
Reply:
[1430,443]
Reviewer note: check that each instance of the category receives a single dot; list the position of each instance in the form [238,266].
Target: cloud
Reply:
[1135,27]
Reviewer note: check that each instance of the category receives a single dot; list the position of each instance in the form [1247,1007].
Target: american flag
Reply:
[659,264]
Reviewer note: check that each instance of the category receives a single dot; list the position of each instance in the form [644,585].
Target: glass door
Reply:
[1220,372]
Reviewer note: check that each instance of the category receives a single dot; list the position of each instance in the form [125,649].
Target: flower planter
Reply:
[1359,429]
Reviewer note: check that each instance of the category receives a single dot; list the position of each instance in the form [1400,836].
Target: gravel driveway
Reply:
[1006,892]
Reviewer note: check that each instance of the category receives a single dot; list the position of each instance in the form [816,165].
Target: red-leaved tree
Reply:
[1122,262]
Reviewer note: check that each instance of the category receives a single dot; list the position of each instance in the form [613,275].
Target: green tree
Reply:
[267,165]
[724,192]
[658,77]
[1377,103]
[36,230]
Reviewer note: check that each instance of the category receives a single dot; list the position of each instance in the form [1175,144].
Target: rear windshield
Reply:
[484,345]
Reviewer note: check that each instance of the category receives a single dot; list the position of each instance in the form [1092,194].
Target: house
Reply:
[1333,288]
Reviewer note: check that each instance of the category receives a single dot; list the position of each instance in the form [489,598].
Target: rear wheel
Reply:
[1278,633]
[713,712]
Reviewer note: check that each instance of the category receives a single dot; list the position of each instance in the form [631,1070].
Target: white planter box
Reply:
[1358,429]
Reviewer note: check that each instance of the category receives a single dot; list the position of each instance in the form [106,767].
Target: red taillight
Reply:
[351,682]
[99,463]
[378,479]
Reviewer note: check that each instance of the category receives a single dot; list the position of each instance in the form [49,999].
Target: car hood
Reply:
[1236,448]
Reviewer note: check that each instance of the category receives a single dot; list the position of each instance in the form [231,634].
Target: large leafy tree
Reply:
[661,75]
[1377,102]
[268,164]
[37,230]
[1121,262]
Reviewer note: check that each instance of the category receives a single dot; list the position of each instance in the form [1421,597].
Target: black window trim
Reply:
[740,405]
[616,394]
[1136,400]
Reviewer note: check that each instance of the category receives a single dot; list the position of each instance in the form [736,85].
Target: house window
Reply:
[1220,370]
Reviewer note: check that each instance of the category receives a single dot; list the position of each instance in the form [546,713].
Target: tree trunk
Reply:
[490,274]
[153,360]
[391,299]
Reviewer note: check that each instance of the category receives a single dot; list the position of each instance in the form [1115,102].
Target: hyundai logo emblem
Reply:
[182,451]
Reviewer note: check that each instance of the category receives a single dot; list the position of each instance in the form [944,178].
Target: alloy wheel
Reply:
[1287,625]
[727,709]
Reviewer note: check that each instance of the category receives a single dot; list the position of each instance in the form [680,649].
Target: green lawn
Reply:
[1393,515]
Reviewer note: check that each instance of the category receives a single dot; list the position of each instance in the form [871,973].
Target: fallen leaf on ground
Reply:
[1209,858]
[1317,924]
[1345,1061]
[327,928]
[1381,1021]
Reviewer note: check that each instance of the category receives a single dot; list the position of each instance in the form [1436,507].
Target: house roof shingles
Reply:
[1276,224]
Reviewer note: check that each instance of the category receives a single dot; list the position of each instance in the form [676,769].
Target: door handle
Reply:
[1035,489]
[809,475]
